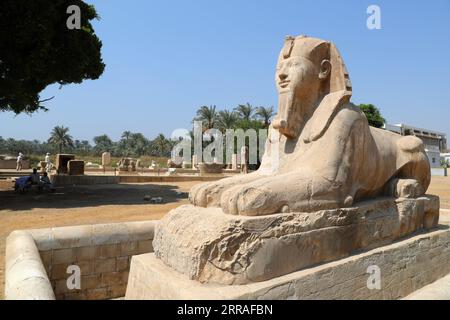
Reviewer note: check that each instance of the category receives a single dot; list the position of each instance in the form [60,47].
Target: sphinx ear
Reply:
[325,69]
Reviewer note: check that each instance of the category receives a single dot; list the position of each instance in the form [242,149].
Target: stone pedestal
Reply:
[210,246]
[202,253]
[404,266]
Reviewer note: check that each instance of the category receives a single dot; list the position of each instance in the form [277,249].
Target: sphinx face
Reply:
[297,84]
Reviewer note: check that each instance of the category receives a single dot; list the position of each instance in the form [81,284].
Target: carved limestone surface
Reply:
[210,246]
[321,152]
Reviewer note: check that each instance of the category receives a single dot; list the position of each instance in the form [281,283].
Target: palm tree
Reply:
[208,116]
[61,138]
[126,135]
[160,144]
[245,111]
[265,114]
[226,120]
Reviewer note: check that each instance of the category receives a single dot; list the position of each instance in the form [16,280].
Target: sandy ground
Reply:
[84,205]
[105,204]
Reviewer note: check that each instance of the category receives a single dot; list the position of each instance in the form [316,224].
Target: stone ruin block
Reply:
[76,167]
[62,161]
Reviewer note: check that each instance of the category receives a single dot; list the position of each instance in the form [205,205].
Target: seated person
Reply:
[45,182]
[35,178]
[22,184]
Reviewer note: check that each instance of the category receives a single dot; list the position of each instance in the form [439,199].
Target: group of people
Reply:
[20,158]
[43,181]
[35,179]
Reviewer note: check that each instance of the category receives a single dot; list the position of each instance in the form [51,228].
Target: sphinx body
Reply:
[321,152]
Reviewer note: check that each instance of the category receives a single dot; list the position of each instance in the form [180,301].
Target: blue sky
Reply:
[164,59]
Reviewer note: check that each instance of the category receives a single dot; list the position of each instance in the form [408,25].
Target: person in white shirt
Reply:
[48,165]
[19,162]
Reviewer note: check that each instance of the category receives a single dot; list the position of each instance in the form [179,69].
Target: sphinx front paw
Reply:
[249,201]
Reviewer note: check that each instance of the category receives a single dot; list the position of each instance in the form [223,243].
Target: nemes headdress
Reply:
[317,50]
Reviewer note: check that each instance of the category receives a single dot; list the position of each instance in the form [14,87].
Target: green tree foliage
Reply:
[82,148]
[161,146]
[265,115]
[37,49]
[131,144]
[102,143]
[60,138]
[373,115]
[245,111]
[226,120]
[244,117]
[208,116]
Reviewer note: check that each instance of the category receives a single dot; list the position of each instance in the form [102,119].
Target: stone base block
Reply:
[402,268]
[212,247]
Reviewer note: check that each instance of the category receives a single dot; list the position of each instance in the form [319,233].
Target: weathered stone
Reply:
[234,161]
[62,161]
[210,246]
[75,167]
[106,159]
[208,168]
[194,162]
[25,275]
[345,278]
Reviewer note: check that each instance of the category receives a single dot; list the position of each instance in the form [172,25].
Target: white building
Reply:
[435,142]
[446,157]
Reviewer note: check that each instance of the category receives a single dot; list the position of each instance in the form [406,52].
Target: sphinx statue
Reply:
[328,185]
[329,157]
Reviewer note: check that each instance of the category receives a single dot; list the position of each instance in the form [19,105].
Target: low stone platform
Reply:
[212,247]
[404,267]
[64,180]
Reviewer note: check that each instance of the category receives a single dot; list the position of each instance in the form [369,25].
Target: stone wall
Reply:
[11,164]
[102,252]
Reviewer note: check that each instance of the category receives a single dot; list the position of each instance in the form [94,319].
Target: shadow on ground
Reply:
[90,196]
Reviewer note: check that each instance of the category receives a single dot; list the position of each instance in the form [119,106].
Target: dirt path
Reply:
[441,186]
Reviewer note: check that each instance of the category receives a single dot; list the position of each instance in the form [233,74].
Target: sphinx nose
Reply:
[282,76]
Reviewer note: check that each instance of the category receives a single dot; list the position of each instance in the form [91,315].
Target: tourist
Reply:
[19,162]
[35,178]
[48,165]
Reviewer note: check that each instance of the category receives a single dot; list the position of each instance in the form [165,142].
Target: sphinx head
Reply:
[307,70]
